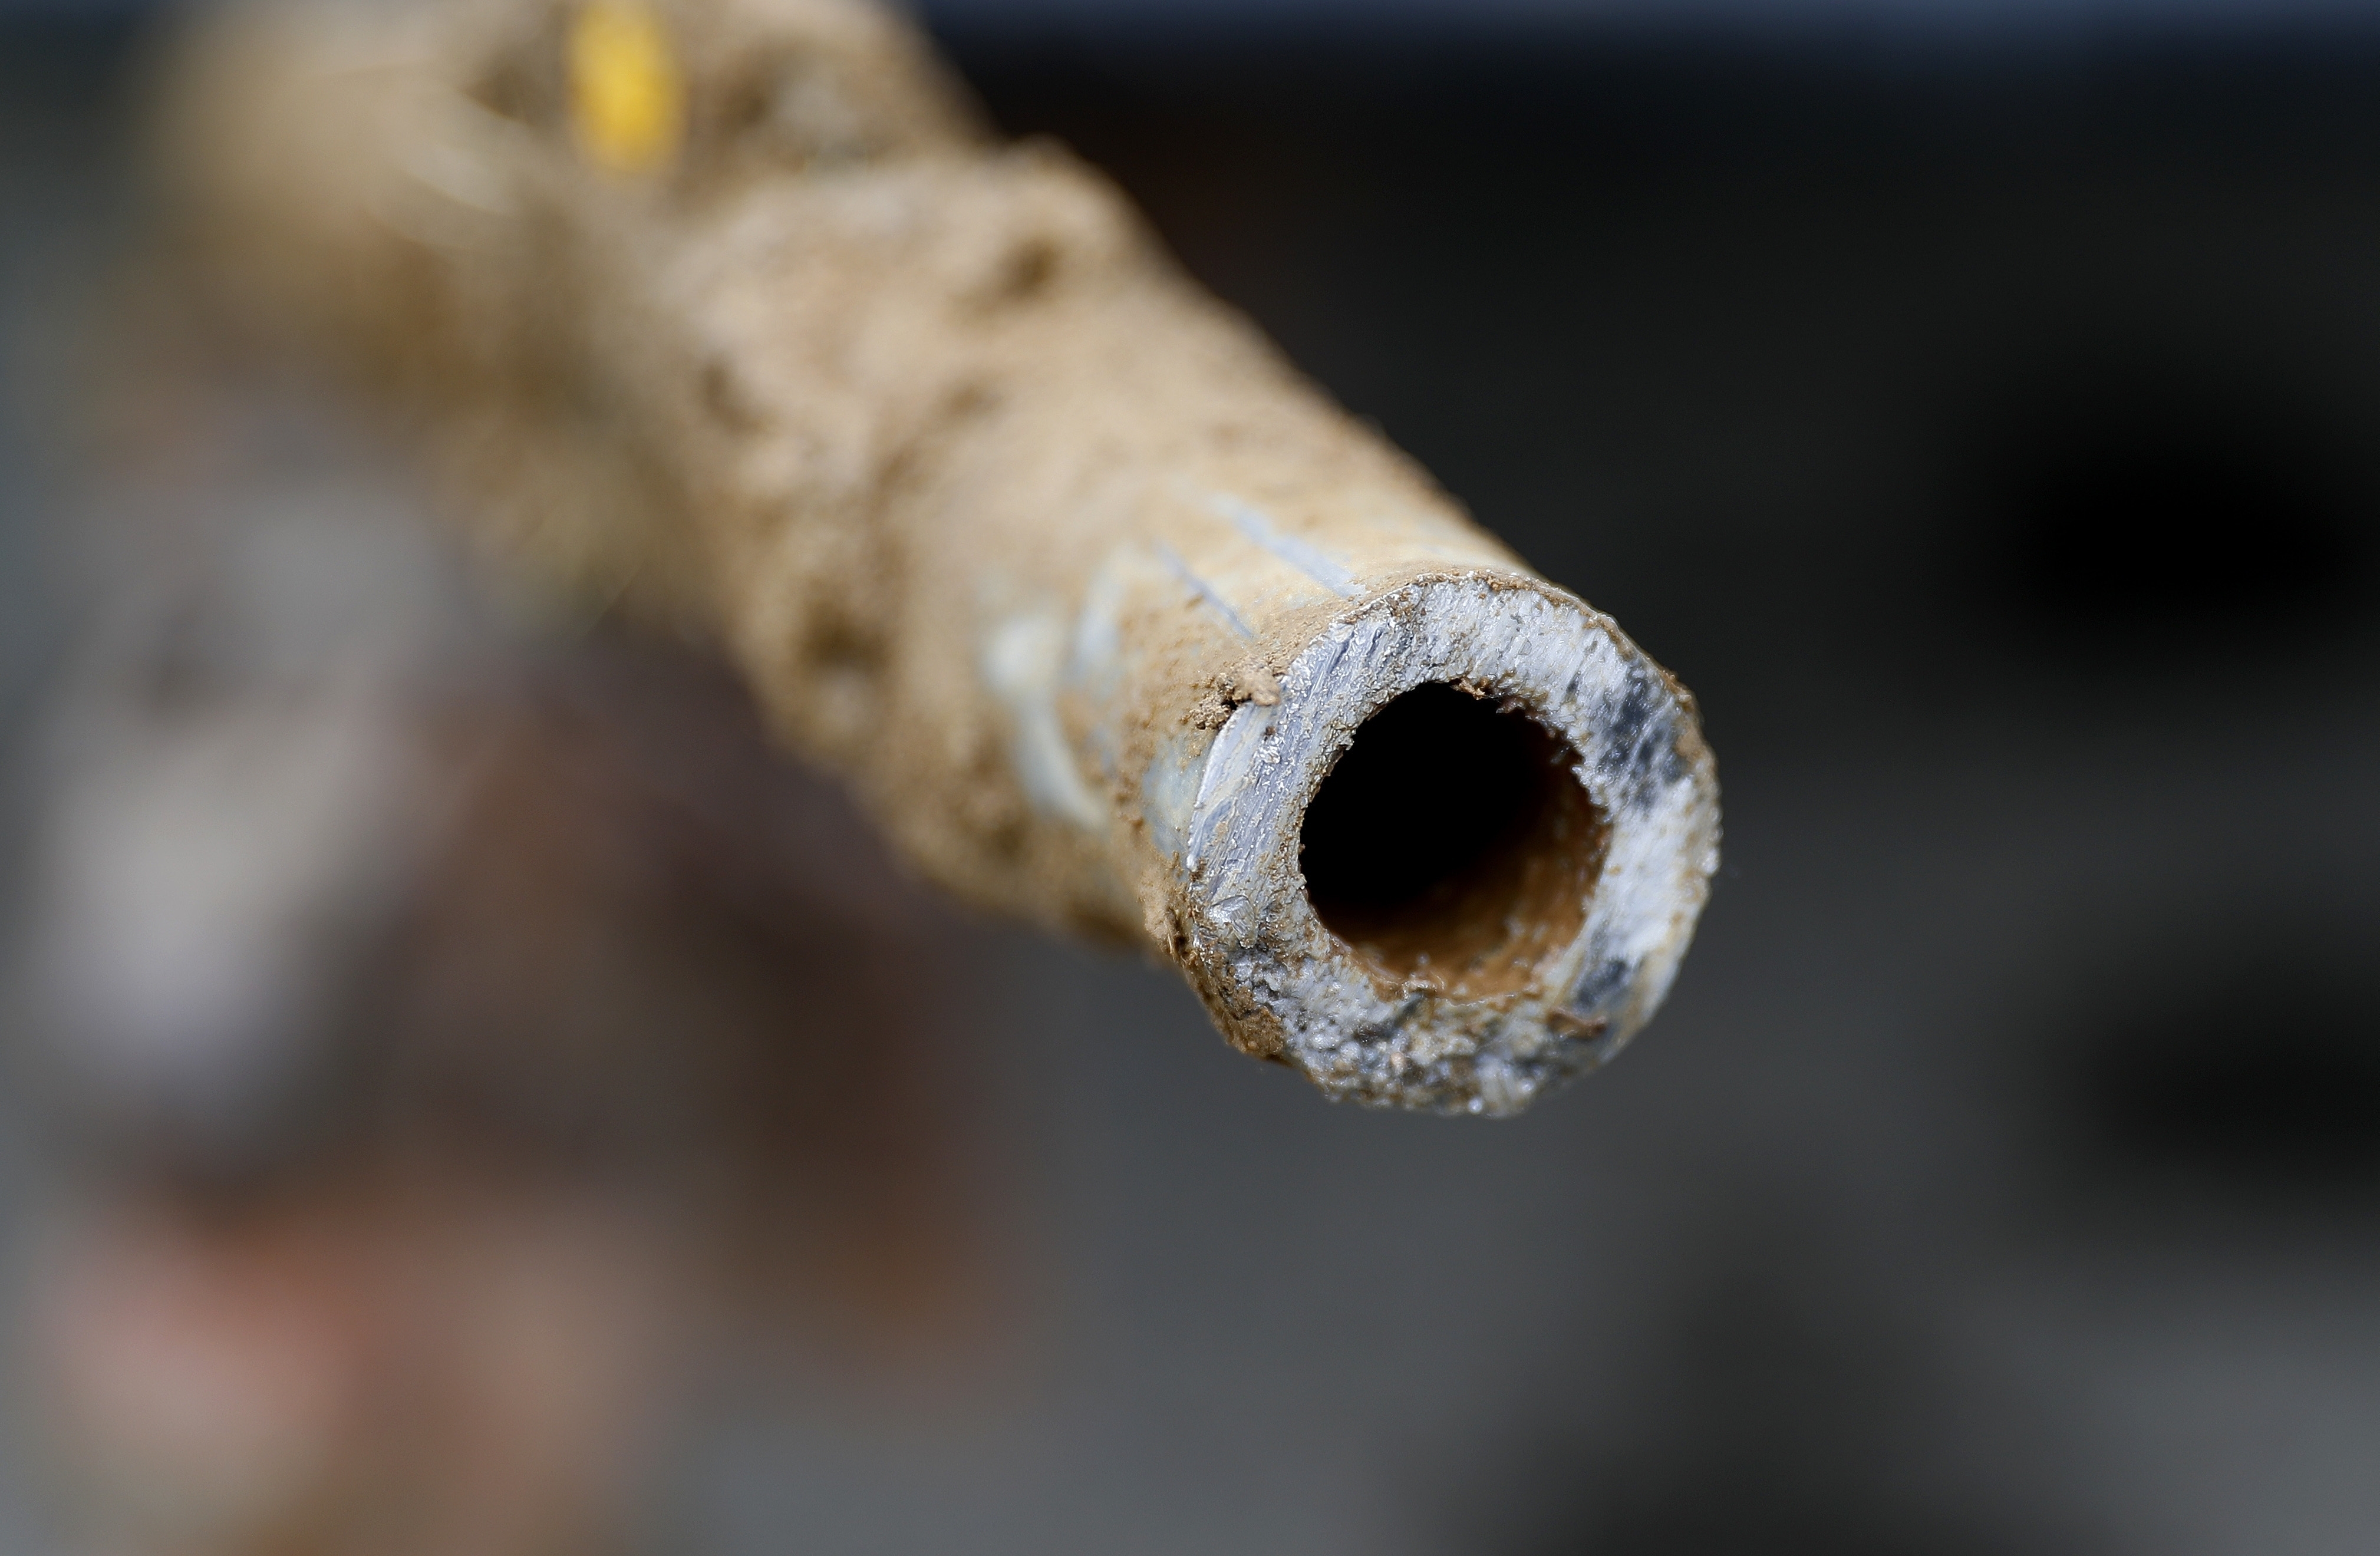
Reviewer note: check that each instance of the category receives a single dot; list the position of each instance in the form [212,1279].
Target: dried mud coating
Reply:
[1080,586]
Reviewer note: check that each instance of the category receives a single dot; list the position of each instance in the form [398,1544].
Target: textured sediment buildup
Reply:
[728,310]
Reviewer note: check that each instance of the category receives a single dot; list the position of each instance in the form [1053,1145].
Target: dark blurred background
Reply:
[1982,414]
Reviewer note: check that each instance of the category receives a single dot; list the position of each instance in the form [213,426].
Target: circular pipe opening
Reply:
[1452,843]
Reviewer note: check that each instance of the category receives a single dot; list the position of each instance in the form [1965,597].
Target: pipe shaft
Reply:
[1089,594]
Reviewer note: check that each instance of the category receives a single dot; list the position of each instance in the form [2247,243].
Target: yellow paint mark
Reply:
[628,97]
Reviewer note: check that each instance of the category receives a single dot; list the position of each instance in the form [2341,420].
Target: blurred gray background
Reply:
[1980,412]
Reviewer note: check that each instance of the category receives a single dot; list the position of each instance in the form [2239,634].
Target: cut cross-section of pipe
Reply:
[1458,858]
[1112,620]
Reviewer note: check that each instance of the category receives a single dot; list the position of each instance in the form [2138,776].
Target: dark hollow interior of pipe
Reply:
[1453,843]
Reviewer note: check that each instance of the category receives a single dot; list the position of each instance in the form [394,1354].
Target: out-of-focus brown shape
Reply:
[647,949]
[462,1030]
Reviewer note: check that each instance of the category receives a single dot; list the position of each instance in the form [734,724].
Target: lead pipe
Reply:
[729,311]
